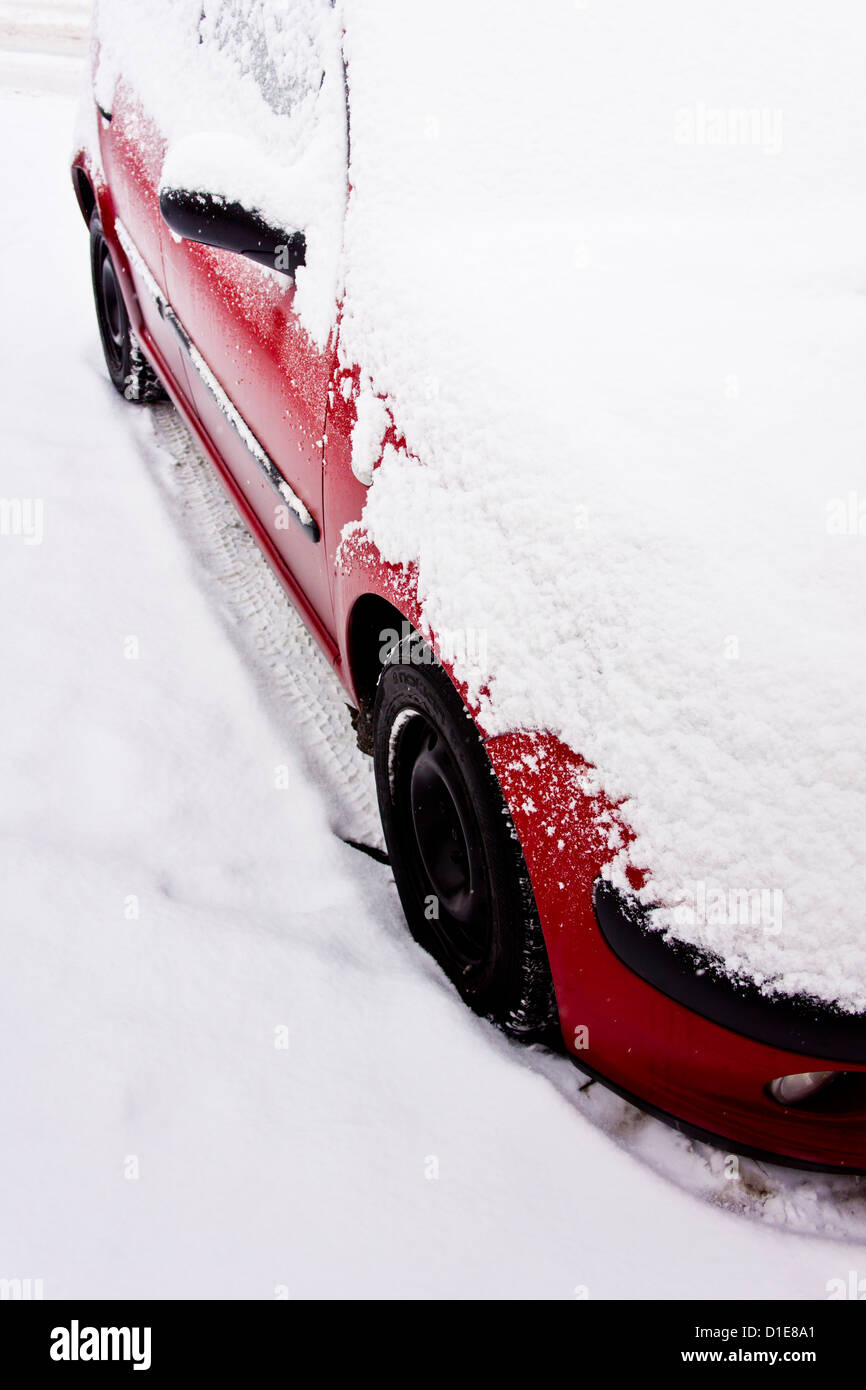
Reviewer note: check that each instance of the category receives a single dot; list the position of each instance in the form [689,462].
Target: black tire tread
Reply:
[135,379]
[526,1008]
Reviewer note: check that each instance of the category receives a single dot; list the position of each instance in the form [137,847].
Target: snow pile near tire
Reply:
[605,264]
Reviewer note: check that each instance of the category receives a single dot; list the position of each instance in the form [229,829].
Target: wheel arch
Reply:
[85,193]
[371,617]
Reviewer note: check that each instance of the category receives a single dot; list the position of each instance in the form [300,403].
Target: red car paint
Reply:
[665,1056]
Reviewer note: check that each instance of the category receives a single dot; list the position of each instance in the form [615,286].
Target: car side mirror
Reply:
[213,220]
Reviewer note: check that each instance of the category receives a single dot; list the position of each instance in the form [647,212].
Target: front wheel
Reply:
[131,373]
[454,853]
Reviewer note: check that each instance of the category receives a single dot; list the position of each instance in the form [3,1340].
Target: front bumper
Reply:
[690,1070]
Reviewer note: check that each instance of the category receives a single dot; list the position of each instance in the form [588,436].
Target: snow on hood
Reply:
[608,266]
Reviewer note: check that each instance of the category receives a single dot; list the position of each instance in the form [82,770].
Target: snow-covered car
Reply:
[505,365]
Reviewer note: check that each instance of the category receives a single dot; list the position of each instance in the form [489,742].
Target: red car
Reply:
[195,299]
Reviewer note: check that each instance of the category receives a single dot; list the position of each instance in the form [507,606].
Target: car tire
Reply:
[130,372]
[454,853]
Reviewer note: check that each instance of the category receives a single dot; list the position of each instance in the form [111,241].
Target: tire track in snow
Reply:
[294,677]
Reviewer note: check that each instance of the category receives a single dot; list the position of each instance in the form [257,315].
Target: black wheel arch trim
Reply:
[692,979]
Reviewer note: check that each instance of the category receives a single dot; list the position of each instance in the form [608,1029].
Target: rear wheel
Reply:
[454,853]
[131,374]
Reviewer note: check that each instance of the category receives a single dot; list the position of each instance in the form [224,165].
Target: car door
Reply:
[261,366]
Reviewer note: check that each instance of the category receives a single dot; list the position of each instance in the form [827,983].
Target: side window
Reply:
[272,43]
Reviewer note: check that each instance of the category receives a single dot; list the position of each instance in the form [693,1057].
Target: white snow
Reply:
[368,433]
[43,44]
[606,266]
[227,1070]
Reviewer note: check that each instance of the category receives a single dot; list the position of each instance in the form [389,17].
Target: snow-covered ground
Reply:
[227,1071]
[43,43]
